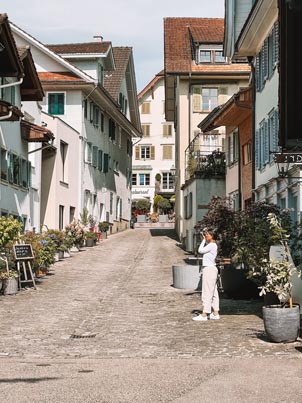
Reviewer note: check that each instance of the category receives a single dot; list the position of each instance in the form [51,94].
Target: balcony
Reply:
[205,164]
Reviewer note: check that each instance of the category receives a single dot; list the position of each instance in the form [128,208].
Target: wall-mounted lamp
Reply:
[283,162]
[173,170]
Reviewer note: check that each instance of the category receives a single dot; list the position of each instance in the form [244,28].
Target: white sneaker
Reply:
[215,317]
[200,317]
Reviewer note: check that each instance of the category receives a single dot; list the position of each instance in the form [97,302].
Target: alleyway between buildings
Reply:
[106,325]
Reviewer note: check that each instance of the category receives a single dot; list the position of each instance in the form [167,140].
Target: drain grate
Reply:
[83,336]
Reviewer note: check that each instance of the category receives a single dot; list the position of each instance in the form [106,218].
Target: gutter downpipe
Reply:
[250,61]
[12,84]
[7,116]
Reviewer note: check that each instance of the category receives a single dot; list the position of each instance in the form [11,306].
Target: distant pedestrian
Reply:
[209,296]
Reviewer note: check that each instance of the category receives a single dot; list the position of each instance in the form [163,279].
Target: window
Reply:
[71,213]
[102,122]
[96,116]
[61,217]
[144,152]
[167,130]
[88,153]
[106,163]
[168,180]
[111,129]
[111,202]
[4,165]
[167,152]
[100,74]
[134,180]
[146,107]
[233,148]
[218,57]
[204,99]
[94,156]
[204,56]
[13,168]
[56,103]
[63,153]
[100,160]
[24,172]
[247,153]
[144,179]
[146,130]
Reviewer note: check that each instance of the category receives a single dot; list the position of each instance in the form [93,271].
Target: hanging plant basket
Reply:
[281,324]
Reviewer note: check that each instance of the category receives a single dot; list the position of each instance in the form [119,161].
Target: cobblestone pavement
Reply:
[116,300]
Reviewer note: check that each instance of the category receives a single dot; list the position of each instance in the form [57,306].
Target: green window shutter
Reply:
[106,162]
[85,108]
[94,156]
[29,176]
[13,95]
[276,131]
[102,122]
[265,59]
[56,103]
[100,160]
[10,166]
[20,178]
[276,43]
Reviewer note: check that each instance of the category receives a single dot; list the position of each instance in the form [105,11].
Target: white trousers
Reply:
[209,296]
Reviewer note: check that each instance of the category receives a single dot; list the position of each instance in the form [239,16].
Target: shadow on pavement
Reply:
[171,233]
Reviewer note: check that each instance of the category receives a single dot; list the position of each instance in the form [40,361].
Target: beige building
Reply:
[198,79]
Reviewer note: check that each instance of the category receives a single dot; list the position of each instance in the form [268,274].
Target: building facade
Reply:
[154,155]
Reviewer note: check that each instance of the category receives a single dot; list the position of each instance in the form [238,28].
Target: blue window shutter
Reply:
[276,131]
[257,150]
[56,103]
[265,143]
[257,73]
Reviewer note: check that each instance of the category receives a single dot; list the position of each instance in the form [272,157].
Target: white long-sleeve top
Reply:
[209,252]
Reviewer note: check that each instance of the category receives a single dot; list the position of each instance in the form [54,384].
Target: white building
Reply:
[73,81]
[20,140]
[154,155]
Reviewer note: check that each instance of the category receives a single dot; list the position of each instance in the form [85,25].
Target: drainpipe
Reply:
[250,61]
[189,123]
[9,114]
[12,84]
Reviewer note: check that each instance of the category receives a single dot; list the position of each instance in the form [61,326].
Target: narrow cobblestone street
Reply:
[115,303]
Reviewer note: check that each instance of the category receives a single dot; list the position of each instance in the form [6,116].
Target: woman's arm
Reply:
[204,248]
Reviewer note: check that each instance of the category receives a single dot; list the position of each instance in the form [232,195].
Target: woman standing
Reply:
[209,296]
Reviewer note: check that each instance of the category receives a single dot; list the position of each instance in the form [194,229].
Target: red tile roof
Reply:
[61,76]
[113,78]
[178,36]
[80,48]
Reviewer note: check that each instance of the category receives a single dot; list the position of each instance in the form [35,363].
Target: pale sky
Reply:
[134,23]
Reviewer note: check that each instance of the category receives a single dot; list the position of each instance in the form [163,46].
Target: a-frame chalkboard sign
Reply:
[23,256]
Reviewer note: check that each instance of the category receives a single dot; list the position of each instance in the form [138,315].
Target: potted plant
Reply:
[103,228]
[59,238]
[142,205]
[163,205]
[75,233]
[9,279]
[90,238]
[281,321]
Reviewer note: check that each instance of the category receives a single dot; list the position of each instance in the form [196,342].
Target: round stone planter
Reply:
[281,324]
[186,276]
[90,242]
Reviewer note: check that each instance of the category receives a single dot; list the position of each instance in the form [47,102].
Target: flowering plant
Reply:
[275,275]
[75,232]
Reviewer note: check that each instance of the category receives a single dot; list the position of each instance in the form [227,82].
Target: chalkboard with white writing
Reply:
[23,252]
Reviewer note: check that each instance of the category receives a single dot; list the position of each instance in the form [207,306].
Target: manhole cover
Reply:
[83,336]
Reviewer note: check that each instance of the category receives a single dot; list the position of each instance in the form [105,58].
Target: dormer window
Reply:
[210,54]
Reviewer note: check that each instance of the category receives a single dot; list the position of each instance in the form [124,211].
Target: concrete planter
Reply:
[141,218]
[163,218]
[281,324]
[186,276]
[10,286]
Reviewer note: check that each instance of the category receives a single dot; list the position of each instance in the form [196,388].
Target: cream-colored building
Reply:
[154,155]
[198,78]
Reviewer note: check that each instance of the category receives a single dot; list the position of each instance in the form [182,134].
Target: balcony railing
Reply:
[205,164]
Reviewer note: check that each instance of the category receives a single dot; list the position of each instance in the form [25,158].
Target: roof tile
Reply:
[80,48]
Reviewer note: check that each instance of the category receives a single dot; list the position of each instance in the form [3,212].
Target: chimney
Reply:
[98,38]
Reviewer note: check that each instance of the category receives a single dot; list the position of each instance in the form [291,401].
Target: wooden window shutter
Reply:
[146,107]
[146,130]
[152,153]
[137,152]
[167,130]
[167,152]
[196,99]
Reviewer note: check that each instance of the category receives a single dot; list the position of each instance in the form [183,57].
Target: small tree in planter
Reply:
[164,205]
[142,205]
[281,322]
[103,228]
[91,238]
